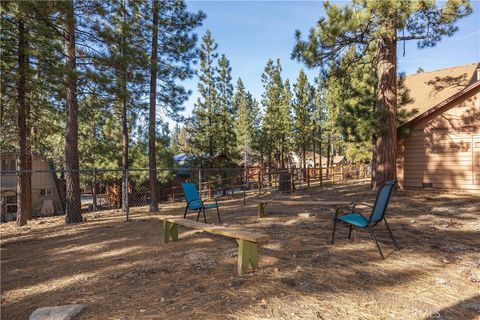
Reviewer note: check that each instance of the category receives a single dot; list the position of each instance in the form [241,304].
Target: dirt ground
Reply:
[121,270]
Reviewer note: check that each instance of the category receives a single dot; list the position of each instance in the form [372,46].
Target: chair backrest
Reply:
[191,193]
[381,202]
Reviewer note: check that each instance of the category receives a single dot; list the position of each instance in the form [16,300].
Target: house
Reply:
[337,160]
[439,147]
[45,193]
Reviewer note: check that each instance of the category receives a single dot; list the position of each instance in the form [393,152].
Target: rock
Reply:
[440,281]
[66,312]
[305,215]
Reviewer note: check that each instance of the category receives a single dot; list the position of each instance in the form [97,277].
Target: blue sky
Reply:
[251,32]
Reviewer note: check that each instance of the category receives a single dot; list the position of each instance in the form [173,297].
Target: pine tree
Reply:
[32,72]
[123,67]
[73,211]
[225,118]
[285,124]
[303,114]
[206,109]
[247,123]
[152,161]
[376,27]
[275,122]
[172,51]
[175,139]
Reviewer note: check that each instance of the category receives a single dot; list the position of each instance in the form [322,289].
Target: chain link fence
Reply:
[102,189]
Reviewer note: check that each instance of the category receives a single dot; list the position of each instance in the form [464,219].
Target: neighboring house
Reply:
[439,147]
[337,161]
[297,160]
[45,195]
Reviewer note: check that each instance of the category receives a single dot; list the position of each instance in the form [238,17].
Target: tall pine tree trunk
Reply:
[94,178]
[320,152]
[387,106]
[152,161]
[23,196]
[124,106]
[314,154]
[124,147]
[328,154]
[72,177]
[304,160]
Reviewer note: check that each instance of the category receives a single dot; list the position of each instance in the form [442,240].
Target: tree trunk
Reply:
[94,191]
[94,178]
[23,196]
[304,159]
[373,163]
[152,161]
[328,154]
[320,152]
[72,177]
[124,103]
[387,106]
[314,156]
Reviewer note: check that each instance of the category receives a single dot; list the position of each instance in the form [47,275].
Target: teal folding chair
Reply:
[355,219]
[195,202]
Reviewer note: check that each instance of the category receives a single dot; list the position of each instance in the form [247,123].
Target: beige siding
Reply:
[444,148]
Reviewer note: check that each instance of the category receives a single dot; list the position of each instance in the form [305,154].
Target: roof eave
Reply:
[442,104]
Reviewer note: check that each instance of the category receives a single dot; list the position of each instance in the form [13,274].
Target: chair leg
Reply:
[350,232]
[376,242]
[185,214]
[198,215]
[218,213]
[333,233]
[395,243]
[204,216]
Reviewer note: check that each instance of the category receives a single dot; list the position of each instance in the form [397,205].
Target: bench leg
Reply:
[247,255]
[169,231]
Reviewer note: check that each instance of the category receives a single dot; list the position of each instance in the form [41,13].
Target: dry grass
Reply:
[121,270]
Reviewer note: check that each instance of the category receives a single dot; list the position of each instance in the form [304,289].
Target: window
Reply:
[47,192]
[10,204]
[8,165]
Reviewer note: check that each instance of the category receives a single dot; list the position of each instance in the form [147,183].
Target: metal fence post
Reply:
[292,182]
[200,181]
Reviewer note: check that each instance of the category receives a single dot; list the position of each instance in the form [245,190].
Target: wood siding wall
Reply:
[443,150]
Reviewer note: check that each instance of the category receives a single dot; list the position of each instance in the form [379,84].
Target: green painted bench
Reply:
[263,203]
[246,240]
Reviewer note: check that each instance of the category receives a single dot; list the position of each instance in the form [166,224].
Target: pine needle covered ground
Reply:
[122,270]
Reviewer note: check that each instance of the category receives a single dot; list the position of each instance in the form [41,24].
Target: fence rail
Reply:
[101,189]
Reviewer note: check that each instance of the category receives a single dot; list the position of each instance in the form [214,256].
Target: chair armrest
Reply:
[339,209]
[361,204]
[214,198]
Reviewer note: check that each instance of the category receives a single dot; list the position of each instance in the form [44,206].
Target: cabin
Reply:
[45,192]
[337,160]
[439,146]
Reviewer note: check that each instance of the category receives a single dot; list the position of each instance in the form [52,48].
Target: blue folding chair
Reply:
[194,202]
[357,220]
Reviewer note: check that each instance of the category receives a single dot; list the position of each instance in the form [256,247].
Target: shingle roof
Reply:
[428,89]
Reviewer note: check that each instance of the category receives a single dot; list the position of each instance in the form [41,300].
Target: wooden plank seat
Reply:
[263,203]
[246,240]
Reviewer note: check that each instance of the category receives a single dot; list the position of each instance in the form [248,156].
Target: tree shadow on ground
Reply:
[121,270]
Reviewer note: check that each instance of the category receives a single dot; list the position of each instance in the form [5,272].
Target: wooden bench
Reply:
[263,203]
[246,240]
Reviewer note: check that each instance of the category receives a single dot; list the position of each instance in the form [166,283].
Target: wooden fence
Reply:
[257,179]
